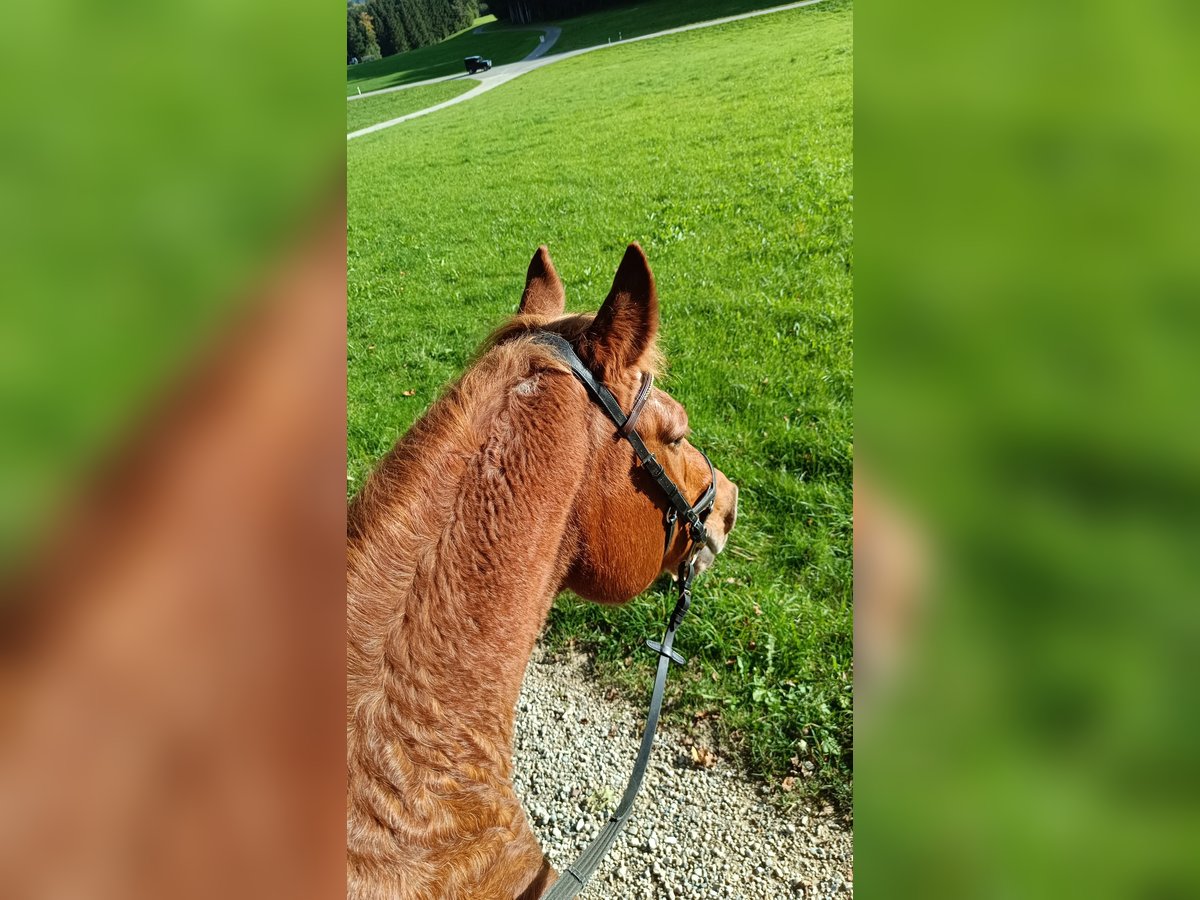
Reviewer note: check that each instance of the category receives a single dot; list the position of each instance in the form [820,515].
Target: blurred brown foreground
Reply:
[172,667]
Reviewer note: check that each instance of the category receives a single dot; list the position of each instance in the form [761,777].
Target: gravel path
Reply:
[550,35]
[694,833]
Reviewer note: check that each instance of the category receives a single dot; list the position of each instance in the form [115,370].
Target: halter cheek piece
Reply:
[575,876]
[693,515]
[639,401]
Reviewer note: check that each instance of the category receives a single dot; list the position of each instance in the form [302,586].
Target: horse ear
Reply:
[544,294]
[626,325]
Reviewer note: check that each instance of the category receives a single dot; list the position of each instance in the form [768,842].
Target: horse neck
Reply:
[459,542]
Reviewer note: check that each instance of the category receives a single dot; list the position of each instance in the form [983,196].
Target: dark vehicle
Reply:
[476,64]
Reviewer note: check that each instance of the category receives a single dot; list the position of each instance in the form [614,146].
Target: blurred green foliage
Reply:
[152,158]
[1027,388]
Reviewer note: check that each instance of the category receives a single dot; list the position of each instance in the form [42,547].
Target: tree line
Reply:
[383,27]
[525,11]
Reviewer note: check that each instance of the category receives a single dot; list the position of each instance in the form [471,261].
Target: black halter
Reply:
[693,515]
[575,876]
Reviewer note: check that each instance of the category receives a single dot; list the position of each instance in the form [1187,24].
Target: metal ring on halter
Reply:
[695,516]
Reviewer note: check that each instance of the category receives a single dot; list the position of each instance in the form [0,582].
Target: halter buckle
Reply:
[686,574]
[653,466]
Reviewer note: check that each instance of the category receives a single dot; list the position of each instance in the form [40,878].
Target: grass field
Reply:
[504,44]
[636,19]
[727,153]
[500,46]
[381,108]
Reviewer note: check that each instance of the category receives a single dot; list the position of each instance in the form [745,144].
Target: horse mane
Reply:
[452,421]
[397,519]
[452,429]
[421,579]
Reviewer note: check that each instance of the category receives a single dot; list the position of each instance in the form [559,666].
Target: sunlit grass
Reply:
[382,107]
[635,19]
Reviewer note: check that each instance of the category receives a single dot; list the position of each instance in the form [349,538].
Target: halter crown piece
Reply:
[575,876]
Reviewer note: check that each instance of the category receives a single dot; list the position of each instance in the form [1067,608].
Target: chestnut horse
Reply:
[513,487]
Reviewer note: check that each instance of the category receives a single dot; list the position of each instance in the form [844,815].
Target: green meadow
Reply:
[727,153]
[634,19]
[503,43]
[393,105]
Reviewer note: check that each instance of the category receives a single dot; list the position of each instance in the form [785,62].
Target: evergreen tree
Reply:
[389,31]
[415,17]
[369,29]
[385,27]
[524,11]
[356,37]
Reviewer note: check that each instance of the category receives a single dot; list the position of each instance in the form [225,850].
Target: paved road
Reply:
[552,33]
[535,60]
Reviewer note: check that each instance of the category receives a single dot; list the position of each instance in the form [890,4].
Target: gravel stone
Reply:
[694,833]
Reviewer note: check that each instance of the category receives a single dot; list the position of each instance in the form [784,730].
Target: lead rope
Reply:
[576,875]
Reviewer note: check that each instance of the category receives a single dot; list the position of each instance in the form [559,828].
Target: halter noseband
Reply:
[693,515]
